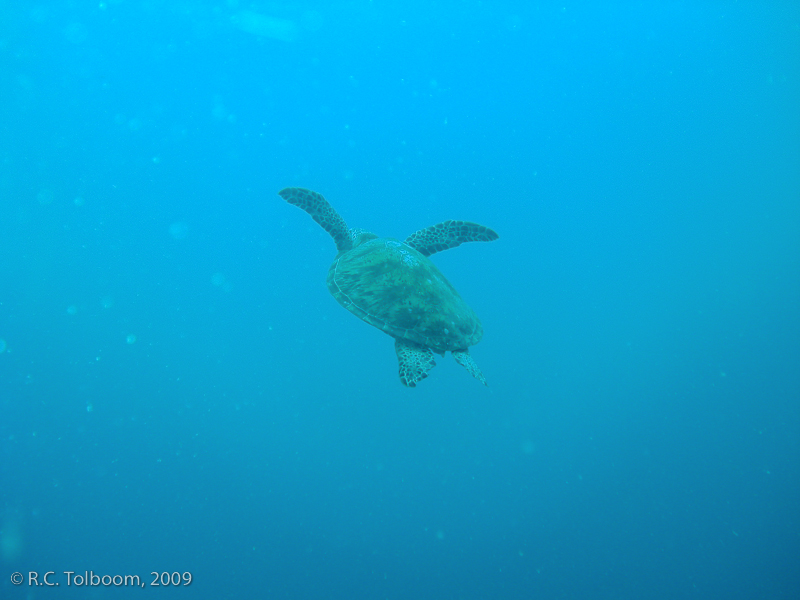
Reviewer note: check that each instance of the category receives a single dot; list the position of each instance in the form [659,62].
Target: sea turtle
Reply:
[395,287]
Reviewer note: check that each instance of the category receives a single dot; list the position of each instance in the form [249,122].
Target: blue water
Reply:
[179,393]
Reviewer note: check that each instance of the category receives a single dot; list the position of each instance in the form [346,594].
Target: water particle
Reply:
[179,230]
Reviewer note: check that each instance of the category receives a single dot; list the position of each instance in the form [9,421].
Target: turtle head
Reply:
[359,236]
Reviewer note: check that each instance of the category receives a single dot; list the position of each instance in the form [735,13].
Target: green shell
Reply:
[392,286]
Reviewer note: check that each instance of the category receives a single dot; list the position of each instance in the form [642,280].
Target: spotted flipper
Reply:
[465,360]
[322,212]
[448,234]
[415,361]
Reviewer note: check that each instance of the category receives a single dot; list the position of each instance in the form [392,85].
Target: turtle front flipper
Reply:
[465,360]
[448,234]
[415,361]
[322,212]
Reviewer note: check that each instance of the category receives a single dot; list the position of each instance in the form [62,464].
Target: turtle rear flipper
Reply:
[448,234]
[415,361]
[322,212]
[465,360]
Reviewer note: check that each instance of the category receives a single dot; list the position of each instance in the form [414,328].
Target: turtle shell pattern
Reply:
[395,288]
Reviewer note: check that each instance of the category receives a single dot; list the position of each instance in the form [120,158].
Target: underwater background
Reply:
[179,393]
